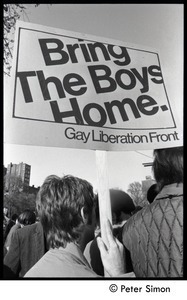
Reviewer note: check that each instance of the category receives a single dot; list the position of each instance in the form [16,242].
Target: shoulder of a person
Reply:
[170,190]
[14,228]
[28,228]
[136,219]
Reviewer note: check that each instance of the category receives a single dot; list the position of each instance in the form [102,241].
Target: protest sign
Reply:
[80,91]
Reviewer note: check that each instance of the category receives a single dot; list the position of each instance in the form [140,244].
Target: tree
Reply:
[12,12]
[18,202]
[13,184]
[25,201]
[15,198]
[10,204]
[135,191]
[31,201]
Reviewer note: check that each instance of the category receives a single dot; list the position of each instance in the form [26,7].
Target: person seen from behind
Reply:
[9,225]
[65,205]
[27,217]
[154,235]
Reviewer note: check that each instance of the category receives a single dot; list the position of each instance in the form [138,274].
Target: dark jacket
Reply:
[92,254]
[10,224]
[154,235]
[26,248]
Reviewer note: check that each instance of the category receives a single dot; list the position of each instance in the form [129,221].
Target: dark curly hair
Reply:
[168,166]
[59,203]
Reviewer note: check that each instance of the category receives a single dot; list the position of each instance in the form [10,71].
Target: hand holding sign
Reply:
[112,252]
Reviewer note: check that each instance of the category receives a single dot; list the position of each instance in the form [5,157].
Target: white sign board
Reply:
[81,91]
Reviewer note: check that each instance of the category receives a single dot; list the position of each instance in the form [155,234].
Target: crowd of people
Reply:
[65,240]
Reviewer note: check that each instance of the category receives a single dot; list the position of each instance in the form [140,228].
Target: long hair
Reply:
[168,166]
[59,203]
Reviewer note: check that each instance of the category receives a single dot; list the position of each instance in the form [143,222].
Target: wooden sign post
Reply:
[103,190]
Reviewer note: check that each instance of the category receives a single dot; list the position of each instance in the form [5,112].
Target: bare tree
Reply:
[15,198]
[12,12]
[13,184]
[135,191]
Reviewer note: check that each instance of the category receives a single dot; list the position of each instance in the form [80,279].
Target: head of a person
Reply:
[14,217]
[27,217]
[152,193]
[168,166]
[122,206]
[65,206]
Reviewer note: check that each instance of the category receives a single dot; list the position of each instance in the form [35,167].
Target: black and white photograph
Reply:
[93,148]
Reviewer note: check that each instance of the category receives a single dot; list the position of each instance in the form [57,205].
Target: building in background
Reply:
[147,183]
[19,171]
[33,190]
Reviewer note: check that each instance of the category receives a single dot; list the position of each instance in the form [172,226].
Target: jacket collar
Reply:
[168,191]
[74,250]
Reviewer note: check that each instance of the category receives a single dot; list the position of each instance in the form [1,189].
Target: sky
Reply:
[158,26]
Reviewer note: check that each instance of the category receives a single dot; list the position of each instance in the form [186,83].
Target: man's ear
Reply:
[84,216]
